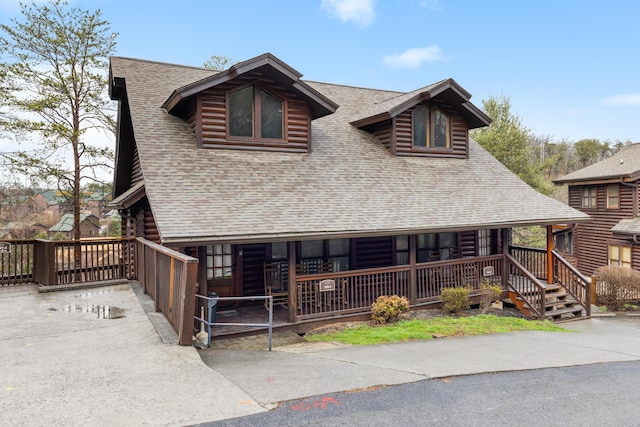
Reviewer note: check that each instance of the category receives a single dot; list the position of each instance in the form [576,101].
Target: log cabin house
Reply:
[323,195]
[608,192]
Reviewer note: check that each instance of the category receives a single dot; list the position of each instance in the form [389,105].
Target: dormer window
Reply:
[255,113]
[430,128]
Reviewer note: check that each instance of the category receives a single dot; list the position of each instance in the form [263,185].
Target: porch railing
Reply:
[526,286]
[532,259]
[60,262]
[16,262]
[169,277]
[349,291]
[432,277]
[576,284]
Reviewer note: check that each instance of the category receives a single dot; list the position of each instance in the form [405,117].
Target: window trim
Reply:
[619,261]
[586,194]
[256,113]
[430,133]
[610,197]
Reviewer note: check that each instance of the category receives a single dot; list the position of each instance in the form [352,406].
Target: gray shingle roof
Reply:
[625,163]
[348,184]
[627,226]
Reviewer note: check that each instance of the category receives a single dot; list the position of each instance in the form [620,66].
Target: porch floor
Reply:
[248,314]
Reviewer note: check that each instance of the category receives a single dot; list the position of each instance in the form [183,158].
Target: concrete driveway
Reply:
[64,363]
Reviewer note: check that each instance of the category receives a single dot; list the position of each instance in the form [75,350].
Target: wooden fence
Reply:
[16,262]
[61,262]
[169,277]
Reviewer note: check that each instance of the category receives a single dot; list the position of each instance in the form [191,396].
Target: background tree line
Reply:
[537,159]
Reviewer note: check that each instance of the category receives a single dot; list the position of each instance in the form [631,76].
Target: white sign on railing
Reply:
[327,285]
[5,247]
[488,271]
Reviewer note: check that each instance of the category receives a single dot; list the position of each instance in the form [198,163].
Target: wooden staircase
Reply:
[559,305]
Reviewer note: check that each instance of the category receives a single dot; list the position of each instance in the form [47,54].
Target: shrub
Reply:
[387,309]
[488,295]
[616,285]
[455,300]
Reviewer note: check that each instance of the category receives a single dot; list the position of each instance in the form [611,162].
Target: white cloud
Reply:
[358,11]
[433,5]
[622,99]
[414,57]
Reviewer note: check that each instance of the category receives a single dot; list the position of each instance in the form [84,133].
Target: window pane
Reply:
[217,261]
[448,240]
[440,130]
[340,263]
[625,254]
[613,193]
[279,251]
[226,260]
[311,249]
[270,115]
[420,127]
[402,243]
[338,247]
[427,241]
[217,249]
[241,112]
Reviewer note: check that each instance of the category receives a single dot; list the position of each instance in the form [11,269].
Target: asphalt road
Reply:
[591,395]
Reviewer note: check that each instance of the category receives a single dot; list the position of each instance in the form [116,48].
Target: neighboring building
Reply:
[89,226]
[21,230]
[252,168]
[608,192]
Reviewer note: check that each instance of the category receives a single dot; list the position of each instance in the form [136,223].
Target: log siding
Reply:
[211,128]
[592,239]
[397,136]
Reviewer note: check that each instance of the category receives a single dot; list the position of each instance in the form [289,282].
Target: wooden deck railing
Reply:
[526,286]
[348,292]
[352,291]
[573,281]
[432,277]
[60,262]
[16,262]
[169,277]
[532,259]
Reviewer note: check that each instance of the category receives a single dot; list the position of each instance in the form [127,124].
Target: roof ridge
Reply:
[151,61]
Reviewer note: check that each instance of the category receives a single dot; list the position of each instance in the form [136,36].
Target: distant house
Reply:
[609,192]
[89,226]
[21,230]
[276,182]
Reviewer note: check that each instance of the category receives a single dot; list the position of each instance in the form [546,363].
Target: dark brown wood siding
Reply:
[591,239]
[374,252]
[210,122]
[468,243]
[459,136]
[253,258]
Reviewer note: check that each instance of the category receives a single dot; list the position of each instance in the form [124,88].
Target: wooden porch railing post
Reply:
[188,295]
[550,277]
[505,251]
[44,262]
[413,276]
[292,285]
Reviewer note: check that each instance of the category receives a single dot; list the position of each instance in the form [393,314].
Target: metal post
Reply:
[270,320]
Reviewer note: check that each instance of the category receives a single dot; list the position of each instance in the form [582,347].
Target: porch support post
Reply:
[413,276]
[550,278]
[504,241]
[291,283]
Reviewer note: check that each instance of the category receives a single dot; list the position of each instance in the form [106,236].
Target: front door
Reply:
[220,269]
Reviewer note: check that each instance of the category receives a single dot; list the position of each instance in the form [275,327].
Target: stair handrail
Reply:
[540,288]
[583,281]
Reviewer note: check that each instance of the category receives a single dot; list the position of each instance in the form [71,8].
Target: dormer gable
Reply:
[259,104]
[431,121]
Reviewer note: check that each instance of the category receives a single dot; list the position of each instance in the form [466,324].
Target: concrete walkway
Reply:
[301,370]
[66,362]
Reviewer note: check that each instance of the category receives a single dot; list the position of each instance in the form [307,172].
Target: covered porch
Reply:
[309,286]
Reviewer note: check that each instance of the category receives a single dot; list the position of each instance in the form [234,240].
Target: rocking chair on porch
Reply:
[275,282]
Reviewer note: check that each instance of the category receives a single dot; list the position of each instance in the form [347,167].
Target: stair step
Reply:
[555,313]
[570,301]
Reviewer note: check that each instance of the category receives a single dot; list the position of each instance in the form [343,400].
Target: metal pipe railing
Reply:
[213,301]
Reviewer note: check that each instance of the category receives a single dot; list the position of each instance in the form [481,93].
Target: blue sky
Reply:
[570,68]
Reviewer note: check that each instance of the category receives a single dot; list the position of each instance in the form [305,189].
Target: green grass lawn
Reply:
[438,327]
